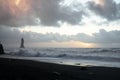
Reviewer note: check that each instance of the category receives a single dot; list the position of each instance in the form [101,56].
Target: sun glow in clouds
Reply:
[99,2]
[67,44]
[17,2]
[17,7]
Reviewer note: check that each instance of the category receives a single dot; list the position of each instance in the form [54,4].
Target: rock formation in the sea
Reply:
[22,43]
[1,49]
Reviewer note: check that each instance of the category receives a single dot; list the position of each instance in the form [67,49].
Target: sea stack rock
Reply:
[22,43]
[1,49]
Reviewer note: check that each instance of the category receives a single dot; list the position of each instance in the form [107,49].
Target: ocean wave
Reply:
[111,50]
[112,55]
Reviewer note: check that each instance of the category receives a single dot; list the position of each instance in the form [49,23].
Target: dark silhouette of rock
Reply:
[1,49]
[84,68]
[22,43]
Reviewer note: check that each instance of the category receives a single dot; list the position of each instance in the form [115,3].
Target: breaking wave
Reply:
[112,54]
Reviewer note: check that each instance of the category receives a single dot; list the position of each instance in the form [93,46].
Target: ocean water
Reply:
[109,57]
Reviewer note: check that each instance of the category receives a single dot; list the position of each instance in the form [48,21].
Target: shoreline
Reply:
[14,69]
[66,61]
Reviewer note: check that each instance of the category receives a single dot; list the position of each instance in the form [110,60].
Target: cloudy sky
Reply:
[60,23]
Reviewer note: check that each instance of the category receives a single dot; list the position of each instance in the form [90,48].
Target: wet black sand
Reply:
[16,69]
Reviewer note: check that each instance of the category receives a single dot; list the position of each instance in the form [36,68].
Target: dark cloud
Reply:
[109,10]
[10,36]
[104,38]
[36,12]
[83,37]
[107,37]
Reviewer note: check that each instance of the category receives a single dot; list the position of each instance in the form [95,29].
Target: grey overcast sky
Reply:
[60,23]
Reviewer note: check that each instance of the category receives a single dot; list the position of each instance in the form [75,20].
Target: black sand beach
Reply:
[16,69]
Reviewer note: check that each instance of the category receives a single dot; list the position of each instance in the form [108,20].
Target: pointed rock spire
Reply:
[1,48]
[22,43]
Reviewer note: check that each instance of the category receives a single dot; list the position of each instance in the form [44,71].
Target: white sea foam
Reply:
[104,57]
